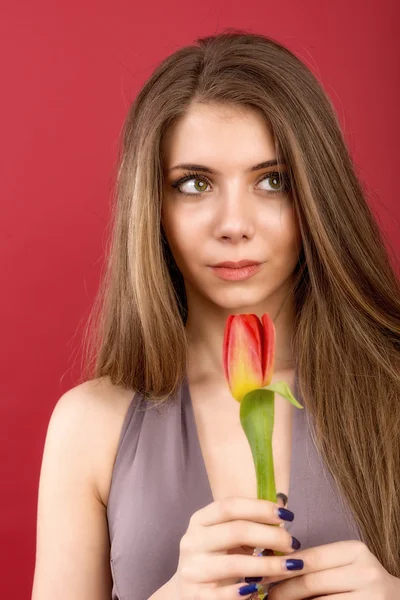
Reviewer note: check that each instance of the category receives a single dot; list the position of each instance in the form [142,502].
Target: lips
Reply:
[236,265]
[238,274]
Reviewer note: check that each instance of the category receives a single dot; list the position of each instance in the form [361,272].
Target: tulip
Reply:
[248,362]
[248,353]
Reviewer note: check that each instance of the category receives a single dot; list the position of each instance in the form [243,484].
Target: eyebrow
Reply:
[204,169]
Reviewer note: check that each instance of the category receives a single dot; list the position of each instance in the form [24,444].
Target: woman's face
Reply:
[231,214]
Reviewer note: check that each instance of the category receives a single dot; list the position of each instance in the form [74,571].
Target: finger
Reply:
[336,554]
[330,556]
[233,508]
[230,592]
[282,498]
[327,582]
[231,535]
[215,567]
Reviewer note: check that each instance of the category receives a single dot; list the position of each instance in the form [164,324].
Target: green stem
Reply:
[266,489]
[257,410]
[257,419]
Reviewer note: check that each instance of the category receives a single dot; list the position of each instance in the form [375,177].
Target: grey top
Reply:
[159,480]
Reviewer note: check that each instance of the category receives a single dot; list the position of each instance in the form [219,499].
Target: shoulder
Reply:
[86,422]
[97,398]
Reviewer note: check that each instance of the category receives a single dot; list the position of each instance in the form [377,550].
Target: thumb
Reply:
[281,499]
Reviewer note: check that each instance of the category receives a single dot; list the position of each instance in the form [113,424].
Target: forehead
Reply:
[218,135]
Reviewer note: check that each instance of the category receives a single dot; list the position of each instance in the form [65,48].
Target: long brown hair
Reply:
[346,337]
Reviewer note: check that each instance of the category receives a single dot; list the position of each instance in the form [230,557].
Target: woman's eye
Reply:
[277,181]
[278,184]
[199,186]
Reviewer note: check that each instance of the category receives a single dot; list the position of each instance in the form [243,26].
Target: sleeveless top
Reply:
[159,480]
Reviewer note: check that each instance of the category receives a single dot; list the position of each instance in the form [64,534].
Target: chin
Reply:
[241,300]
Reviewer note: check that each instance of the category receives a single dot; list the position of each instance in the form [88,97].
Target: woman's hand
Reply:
[208,569]
[339,571]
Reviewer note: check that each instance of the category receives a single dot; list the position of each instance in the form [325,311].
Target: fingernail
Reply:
[295,543]
[282,497]
[247,589]
[294,564]
[285,514]
[251,579]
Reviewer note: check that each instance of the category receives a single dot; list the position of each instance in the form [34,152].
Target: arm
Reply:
[72,552]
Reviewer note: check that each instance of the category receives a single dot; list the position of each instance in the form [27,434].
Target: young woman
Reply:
[231,152]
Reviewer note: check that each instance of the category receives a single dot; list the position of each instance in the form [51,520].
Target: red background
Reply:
[69,71]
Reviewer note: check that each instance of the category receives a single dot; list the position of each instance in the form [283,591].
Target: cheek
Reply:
[281,230]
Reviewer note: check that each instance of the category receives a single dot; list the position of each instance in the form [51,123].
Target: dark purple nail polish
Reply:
[285,514]
[294,564]
[295,543]
[251,579]
[247,589]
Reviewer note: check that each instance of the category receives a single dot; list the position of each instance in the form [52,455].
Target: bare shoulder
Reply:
[94,412]
[99,397]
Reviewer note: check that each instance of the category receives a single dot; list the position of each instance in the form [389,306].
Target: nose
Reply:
[234,217]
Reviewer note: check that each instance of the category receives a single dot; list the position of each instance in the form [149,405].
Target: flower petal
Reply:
[268,348]
[225,347]
[242,354]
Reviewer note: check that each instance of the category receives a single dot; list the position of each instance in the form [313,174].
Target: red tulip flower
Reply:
[249,353]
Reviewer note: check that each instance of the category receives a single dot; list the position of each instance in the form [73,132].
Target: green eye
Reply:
[275,180]
[279,181]
[202,186]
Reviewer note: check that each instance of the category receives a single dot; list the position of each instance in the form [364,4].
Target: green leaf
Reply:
[282,388]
